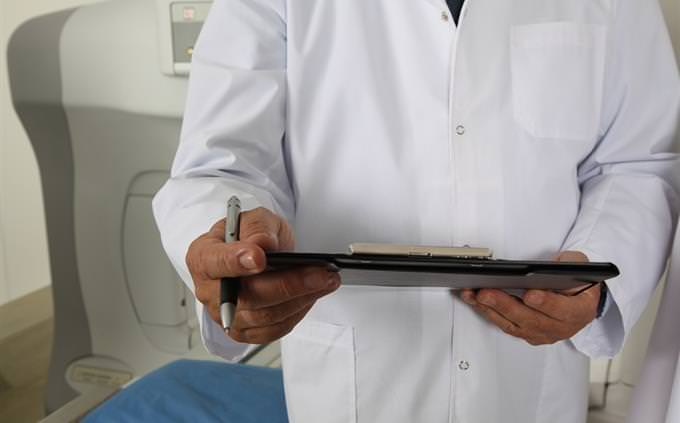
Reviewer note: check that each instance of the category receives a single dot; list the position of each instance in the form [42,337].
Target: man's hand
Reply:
[270,304]
[541,317]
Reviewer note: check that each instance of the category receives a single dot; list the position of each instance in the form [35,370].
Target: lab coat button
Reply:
[463,365]
[460,130]
[445,16]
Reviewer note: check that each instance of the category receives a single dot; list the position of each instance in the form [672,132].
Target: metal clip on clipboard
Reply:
[465,252]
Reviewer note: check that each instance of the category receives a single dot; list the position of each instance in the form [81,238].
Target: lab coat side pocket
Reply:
[558,78]
[319,371]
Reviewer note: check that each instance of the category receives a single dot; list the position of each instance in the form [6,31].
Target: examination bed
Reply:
[188,390]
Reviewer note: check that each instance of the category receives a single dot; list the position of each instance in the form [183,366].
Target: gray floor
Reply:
[618,399]
[25,342]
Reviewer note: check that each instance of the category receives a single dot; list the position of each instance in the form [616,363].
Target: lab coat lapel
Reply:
[438,4]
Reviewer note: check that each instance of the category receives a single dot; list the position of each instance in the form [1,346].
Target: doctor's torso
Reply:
[401,128]
[407,130]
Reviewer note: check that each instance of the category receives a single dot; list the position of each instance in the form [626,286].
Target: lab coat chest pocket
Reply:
[557,79]
[319,373]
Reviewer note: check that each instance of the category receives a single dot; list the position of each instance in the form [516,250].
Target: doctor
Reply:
[535,128]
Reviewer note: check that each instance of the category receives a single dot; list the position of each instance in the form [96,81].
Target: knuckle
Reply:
[487,313]
[484,296]
[561,332]
[245,317]
[255,220]
[509,328]
[256,213]
[284,227]
[236,335]
[254,226]
[248,337]
[266,315]
[201,294]
[481,309]
[262,213]
[260,227]
[226,263]
[200,262]
[216,230]
[547,340]
[254,336]
[286,286]
[537,341]
[258,317]
[492,320]
[566,334]
[533,342]
[192,257]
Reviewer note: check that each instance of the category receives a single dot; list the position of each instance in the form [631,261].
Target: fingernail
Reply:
[247,260]
[535,298]
[487,300]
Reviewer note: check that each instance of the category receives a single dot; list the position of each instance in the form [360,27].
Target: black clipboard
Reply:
[445,272]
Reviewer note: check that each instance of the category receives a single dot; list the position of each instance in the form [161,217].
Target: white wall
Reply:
[24,265]
[4,288]
[672,12]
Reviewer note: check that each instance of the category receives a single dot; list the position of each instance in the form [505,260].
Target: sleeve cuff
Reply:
[187,208]
[216,341]
[604,336]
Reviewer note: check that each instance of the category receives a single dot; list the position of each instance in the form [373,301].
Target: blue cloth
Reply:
[199,391]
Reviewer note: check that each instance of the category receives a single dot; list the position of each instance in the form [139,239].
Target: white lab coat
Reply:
[656,398]
[536,126]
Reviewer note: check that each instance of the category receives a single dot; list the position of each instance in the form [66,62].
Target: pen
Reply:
[229,286]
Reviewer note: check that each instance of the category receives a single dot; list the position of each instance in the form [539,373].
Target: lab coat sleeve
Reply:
[232,136]
[629,182]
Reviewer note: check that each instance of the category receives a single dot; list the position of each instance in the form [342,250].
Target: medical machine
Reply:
[100,91]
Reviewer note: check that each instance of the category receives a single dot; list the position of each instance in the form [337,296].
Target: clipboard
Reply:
[448,272]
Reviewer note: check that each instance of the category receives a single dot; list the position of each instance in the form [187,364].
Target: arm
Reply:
[629,199]
[231,142]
